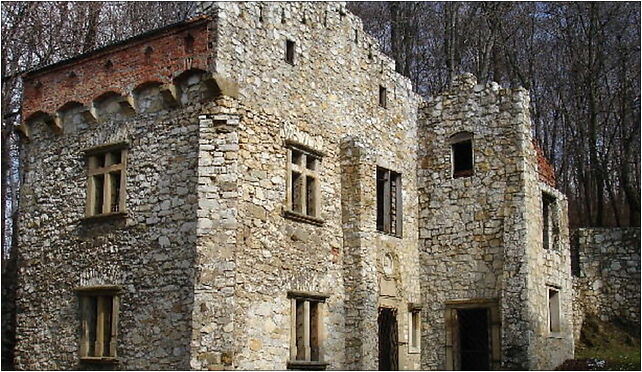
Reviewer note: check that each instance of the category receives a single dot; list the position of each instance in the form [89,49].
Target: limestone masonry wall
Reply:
[479,241]
[324,100]
[208,251]
[149,251]
[607,275]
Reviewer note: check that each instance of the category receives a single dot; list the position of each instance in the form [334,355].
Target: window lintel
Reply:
[97,150]
[460,137]
[97,290]
[298,146]
[309,296]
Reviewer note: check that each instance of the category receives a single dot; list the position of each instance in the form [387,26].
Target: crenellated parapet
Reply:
[159,70]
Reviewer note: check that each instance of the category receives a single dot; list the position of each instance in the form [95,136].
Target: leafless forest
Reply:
[580,61]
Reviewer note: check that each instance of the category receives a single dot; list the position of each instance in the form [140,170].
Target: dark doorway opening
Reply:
[474,344]
[388,336]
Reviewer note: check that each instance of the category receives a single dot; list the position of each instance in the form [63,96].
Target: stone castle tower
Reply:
[257,188]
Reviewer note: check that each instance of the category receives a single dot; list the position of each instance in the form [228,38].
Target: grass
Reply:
[606,347]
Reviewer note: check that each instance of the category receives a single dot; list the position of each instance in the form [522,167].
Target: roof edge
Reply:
[116,45]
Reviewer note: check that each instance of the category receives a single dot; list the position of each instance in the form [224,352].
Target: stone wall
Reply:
[479,241]
[327,101]
[149,251]
[607,275]
[207,251]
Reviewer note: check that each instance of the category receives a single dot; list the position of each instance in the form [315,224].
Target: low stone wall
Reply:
[606,268]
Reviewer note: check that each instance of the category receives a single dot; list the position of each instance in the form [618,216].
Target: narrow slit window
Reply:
[289,51]
[414,330]
[297,192]
[389,205]
[549,221]
[553,310]
[383,96]
[462,155]
[189,43]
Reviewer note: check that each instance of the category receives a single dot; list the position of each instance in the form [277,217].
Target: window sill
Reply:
[463,175]
[557,335]
[303,218]
[413,350]
[101,360]
[307,365]
[389,234]
[104,217]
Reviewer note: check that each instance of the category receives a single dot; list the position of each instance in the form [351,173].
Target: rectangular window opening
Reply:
[98,183]
[303,183]
[306,344]
[98,314]
[289,51]
[414,331]
[310,192]
[389,211]
[114,178]
[549,223]
[462,153]
[297,192]
[383,96]
[105,183]
[553,310]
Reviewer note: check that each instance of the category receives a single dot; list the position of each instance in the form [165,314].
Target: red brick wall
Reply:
[544,167]
[49,89]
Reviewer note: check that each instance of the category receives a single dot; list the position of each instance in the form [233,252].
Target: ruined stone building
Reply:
[257,188]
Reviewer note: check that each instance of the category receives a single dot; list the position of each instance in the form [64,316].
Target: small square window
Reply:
[553,310]
[383,96]
[462,154]
[389,202]
[306,331]
[289,51]
[106,182]
[99,324]
[303,183]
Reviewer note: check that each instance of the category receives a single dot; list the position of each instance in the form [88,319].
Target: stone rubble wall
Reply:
[327,97]
[607,275]
[548,269]
[149,252]
[478,234]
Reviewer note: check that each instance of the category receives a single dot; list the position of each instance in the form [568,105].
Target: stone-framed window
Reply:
[554,310]
[289,51]
[550,221]
[303,184]
[462,155]
[99,310]
[383,96]
[389,202]
[306,330]
[414,328]
[106,180]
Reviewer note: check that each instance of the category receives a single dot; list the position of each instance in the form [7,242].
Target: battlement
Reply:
[119,80]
